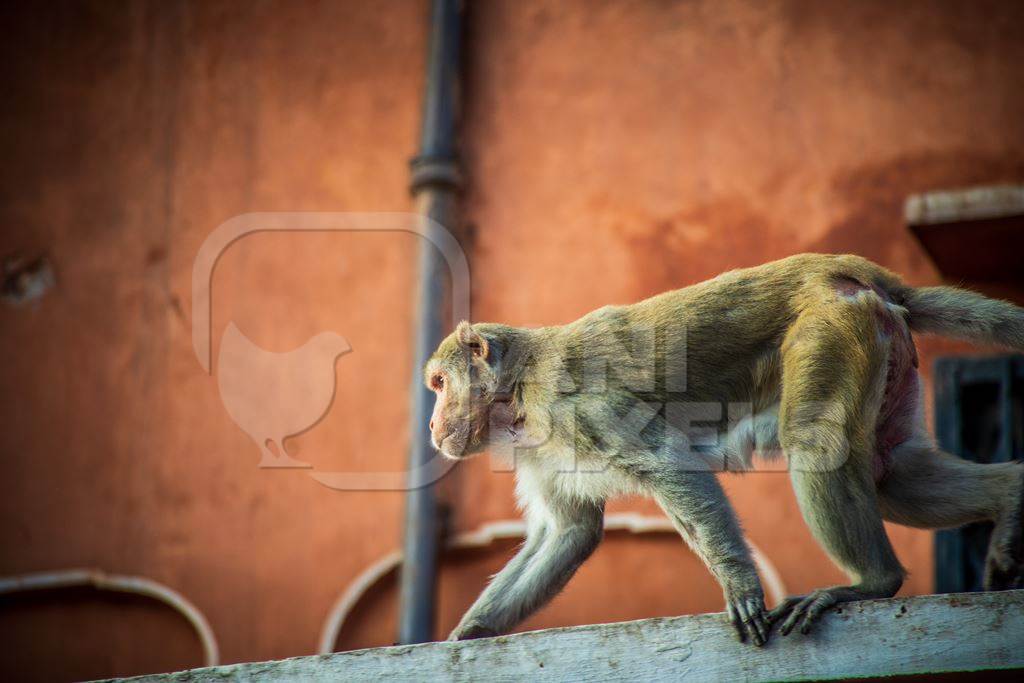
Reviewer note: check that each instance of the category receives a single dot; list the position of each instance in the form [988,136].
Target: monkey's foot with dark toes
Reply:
[750,619]
[1000,579]
[807,609]
[1004,565]
[802,609]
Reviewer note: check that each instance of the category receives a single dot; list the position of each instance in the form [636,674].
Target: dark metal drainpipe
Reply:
[435,185]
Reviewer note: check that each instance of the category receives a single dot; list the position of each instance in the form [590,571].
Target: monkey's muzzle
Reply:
[452,445]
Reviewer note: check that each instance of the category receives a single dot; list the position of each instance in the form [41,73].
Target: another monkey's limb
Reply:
[830,404]
[566,534]
[698,508]
[928,488]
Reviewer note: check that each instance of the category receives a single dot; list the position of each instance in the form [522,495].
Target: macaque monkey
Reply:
[809,358]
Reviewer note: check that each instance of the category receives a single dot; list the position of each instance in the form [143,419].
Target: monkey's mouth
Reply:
[453,446]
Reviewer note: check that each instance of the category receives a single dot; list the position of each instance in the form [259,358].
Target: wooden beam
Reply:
[958,206]
[929,634]
[991,218]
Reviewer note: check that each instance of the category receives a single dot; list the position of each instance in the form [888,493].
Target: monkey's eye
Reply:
[437,382]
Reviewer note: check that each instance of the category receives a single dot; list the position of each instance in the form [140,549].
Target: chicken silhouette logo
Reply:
[273,396]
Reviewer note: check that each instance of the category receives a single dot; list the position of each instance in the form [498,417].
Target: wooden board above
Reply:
[975,234]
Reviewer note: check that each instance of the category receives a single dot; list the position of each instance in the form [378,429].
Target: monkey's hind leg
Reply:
[698,508]
[834,371]
[931,489]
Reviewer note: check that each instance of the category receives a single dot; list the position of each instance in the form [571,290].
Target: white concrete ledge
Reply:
[930,634]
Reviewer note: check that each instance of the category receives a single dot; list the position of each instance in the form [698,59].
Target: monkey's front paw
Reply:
[749,617]
[804,609]
[473,630]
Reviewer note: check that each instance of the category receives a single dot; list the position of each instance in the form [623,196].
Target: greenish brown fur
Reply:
[810,345]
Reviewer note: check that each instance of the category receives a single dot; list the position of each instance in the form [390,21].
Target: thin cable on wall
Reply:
[138,585]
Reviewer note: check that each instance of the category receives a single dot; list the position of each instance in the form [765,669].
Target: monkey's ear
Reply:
[471,340]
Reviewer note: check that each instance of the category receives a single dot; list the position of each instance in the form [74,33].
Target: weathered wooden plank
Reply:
[970,204]
[937,633]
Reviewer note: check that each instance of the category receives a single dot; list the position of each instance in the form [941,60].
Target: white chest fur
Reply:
[564,474]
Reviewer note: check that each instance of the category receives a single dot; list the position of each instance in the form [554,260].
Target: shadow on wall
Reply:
[731,230]
[875,194]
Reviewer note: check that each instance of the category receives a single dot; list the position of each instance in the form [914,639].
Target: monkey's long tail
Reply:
[962,314]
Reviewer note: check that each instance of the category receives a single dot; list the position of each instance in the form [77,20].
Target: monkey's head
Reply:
[464,373]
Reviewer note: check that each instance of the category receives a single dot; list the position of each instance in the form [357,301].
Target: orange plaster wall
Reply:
[613,150]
